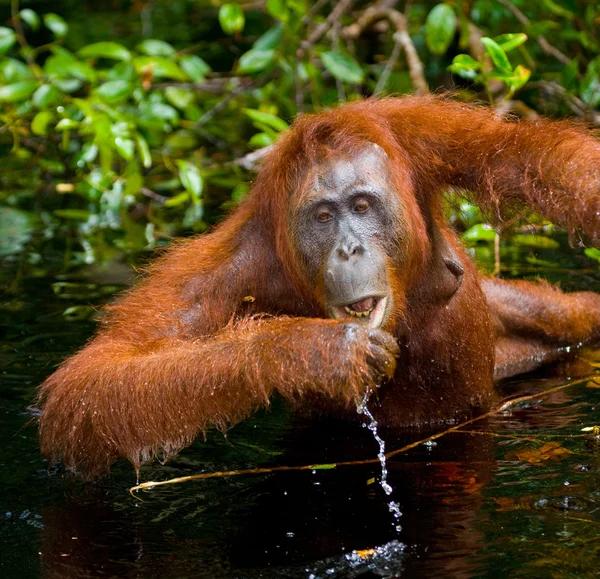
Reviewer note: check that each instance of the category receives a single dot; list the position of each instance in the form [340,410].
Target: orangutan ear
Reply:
[446,270]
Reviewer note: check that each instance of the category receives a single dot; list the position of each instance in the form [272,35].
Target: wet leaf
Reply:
[538,241]
[105,50]
[30,17]
[231,18]
[194,67]
[179,97]
[114,91]
[343,67]
[465,66]
[509,42]
[440,28]
[268,119]
[17,91]
[479,232]
[78,313]
[39,124]
[45,96]
[159,66]
[56,24]
[190,178]
[154,47]
[270,39]
[278,9]
[13,70]
[497,55]
[7,39]
[592,253]
[255,60]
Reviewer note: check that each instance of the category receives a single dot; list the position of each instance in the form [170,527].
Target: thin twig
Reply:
[378,12]
[389,66]
[214,86]
[153,195]
[541,40]
[341,7]
[268,470]
[253,159]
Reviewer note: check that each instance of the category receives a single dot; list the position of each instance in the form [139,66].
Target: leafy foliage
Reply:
[121,144]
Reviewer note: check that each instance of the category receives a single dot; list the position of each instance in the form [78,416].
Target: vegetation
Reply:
[118,144]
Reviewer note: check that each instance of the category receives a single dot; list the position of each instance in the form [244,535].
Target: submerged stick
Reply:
[267,470]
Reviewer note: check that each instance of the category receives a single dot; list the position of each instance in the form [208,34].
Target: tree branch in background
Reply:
[252,160]
[402,38]
[340,8]
[544,44]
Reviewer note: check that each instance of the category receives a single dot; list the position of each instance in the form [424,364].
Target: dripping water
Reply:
[393,506]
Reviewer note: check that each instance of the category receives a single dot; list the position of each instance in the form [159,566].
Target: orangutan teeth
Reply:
[356,314]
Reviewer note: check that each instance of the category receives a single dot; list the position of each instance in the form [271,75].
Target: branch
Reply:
[341,7]
[267,470]
[401,37]
[544,44]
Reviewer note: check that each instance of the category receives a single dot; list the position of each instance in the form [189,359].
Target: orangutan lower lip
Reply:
[369,310]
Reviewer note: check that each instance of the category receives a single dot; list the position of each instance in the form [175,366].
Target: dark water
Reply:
[517,495]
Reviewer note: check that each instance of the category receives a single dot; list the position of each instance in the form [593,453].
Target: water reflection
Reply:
[516,495]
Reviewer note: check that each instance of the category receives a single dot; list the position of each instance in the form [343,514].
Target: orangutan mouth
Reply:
[370,311]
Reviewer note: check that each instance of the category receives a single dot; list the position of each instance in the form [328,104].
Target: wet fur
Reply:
[223,320]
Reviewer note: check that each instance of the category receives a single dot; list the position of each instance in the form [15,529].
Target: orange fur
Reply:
[186,350]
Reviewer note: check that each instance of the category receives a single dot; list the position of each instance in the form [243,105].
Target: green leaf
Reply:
[278,9]
[13,70]
[509,42]
[45,96]
[479,232]
[105,50]
[592,253]
[343,67]
[17,91]
[538,241]
[497,55]
[268,119]
[255,60]
[440,28]
[75,214]
[67,85]
[162,111]
[194,67]
[56,25]
[231,18]
[590,85]
[125,148]
[520,77]
[177,200]
[190,178]
[270,39]
[260,140]
[161,67]
[154,47]
[114,91]
[30,18]
[66,124]
[7,39]
[64,64]
[465,66]
[144,151]
[181,98]
[39,124]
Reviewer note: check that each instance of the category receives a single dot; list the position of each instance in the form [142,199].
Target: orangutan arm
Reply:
[550,166]
[117,399]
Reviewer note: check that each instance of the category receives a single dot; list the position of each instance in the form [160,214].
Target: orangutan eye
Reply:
[361,205]
[324,215]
